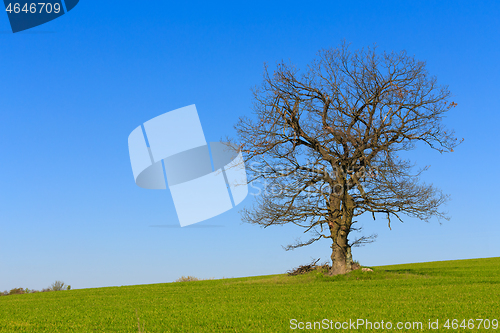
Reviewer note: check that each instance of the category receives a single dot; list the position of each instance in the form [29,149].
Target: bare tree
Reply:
[57,286]
[325,142]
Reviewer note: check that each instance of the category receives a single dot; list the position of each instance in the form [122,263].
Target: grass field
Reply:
[406,294]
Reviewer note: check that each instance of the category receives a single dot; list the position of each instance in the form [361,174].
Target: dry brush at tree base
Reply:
[303,269]
[325,143]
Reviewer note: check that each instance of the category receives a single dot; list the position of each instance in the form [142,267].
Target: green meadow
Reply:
[457,296]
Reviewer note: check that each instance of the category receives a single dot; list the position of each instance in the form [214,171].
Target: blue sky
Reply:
[73,89]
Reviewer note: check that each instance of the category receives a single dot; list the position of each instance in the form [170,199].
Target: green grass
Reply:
[464,289]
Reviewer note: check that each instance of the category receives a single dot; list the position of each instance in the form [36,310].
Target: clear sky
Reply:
[72,90]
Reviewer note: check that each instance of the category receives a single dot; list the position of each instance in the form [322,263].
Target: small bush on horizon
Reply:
[187,279]
[16,291]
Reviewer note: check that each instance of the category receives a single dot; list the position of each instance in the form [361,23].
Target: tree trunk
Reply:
[340,254]
[341,251]
[349,261]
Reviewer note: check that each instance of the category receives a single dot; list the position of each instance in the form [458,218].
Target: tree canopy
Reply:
[326,143]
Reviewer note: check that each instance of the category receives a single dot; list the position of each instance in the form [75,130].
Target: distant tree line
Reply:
[56,286]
